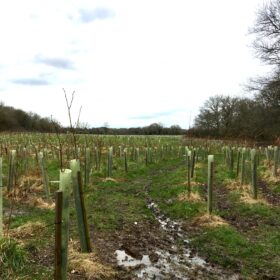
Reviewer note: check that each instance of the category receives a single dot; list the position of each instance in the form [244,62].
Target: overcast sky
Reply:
[131,63]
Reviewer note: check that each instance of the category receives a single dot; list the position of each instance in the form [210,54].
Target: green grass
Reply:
[15,262]
[115,203]
[229,248]
[250,244]
[222,245]
[253,251]
[13,256]
[53,169]
[19,258]
[31,214]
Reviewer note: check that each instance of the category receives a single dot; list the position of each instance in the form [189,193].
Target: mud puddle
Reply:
[177,261]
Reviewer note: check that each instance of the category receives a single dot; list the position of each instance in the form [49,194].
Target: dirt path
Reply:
[153,248]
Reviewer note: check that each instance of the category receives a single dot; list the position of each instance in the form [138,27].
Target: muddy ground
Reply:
[269,195]
[164,242]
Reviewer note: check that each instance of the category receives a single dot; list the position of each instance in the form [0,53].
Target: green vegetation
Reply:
[241,234]
[13,256]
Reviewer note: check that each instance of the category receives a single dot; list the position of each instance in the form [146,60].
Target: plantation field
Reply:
[147,208]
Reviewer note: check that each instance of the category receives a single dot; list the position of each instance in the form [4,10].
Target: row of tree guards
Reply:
[18,161]
[191,160]
[192,154]
[71,182]
[271,153]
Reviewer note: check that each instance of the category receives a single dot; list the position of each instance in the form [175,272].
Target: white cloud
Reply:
[125,58]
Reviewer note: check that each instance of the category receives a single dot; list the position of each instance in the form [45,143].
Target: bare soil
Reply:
[268,194]
[242,223]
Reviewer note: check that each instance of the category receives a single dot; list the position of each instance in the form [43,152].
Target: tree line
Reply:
[12,119]
[152,129]
[257,117]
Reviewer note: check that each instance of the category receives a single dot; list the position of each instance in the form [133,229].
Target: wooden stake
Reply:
[65,186]
[210,183]
[58,236]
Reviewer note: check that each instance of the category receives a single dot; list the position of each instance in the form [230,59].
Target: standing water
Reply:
[177,263]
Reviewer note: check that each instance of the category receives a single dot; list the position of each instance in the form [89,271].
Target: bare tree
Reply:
[267,31]
[57,133]
[69,104]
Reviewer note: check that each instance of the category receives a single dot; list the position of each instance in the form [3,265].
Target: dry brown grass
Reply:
[109,179]
[27,185]
[267,163]
[199,165]
[88,264]
[193,184]
[245,192]
[27,230]
[246,197]
[40,203]
[207,220]
[194,196]
[267,175]
[29,191]
[30,179]
[232,185]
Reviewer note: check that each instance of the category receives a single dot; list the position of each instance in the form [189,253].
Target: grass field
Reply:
[145,211]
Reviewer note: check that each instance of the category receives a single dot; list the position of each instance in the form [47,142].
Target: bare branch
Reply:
[267,31]
[59,143]
[78,120]
[72,129]
[72,99]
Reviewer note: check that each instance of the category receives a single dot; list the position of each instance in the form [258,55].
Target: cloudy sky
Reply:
[130,62]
